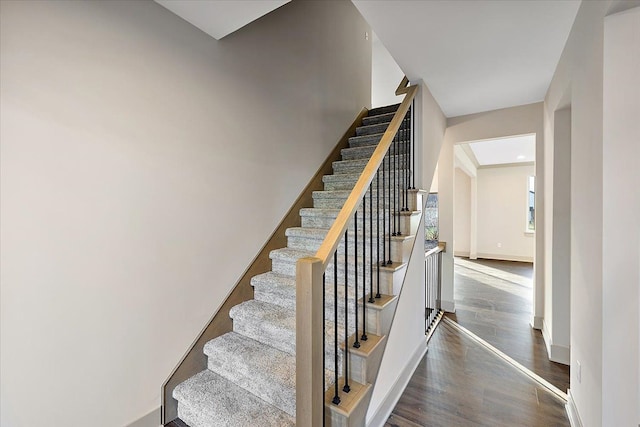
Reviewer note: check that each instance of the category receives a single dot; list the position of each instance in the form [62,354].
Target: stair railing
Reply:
[432,286]
[370,216]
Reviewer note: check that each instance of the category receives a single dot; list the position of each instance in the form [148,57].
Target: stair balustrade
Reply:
[348,267]
[432,286]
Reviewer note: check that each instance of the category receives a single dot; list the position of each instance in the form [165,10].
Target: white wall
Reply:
[143,165]
[385,76]
[578,81]
[461,213]
[406,342]
[519,120]
[406,339]
[557,255]
[502,213]
[620,233]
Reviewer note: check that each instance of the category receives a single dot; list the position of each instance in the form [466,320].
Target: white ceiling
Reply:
[514,149]
[219,18]
[475,55]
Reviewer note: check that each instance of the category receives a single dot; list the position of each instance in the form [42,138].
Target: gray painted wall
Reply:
[143,165]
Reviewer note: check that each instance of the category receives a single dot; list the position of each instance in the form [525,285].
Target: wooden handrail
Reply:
[338,228]
[403,86]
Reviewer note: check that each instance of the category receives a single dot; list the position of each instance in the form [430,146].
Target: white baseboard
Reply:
[536,322]
[560,354]
[501,257]
[546,336]
[448,306]
[572,411]
[380,417]
[461,254]
[557,353]
[152,419]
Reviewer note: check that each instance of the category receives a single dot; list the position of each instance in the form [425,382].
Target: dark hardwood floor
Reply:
[494,301]
[460,383]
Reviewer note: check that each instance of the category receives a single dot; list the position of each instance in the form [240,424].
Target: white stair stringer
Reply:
[250,375]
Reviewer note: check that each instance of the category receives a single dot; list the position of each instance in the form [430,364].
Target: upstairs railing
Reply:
[432,286]
[347,267]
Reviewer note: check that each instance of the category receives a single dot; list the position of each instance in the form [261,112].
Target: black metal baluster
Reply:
[336,397]
[406,161]
[387,195]
[346,387]
[413,145]
[364,264]
[356,343]
[396,218]
[394,146]
[371,300]
[384,214]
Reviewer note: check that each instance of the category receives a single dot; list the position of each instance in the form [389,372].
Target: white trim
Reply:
[152,419]
[572,411]
[560,354]
[393,395]
[517,258]
[537,378]
[537,322]
[461,254]
[557,353]
[448,306]
[546,337]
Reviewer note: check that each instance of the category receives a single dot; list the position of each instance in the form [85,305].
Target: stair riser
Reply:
[366,151]
[348,184]
[283,340]
[364,369]
[243,362]
[399,249]
[336,418]
[287,267]
[373,120]
[363,141]
[408,224]
[283,398]
[383,110]
[377,323]
[376,128]
[357,165]
[371,129]
[193,420]
[386,277]
[321,202]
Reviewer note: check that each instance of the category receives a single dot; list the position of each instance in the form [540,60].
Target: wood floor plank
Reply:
[461,383]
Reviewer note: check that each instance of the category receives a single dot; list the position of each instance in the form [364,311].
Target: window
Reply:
[531,204]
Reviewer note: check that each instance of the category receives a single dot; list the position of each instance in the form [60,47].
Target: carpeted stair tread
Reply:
[371,129]
[365,152]
[276,326]
[290,254]
[280,290]
[357,165]
[384,109]
[268,323]
[274,288]
[261,369]
[365,140]
[209,400]
[379,118]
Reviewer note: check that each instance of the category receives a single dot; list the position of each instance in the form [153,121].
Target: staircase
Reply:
[251,377]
